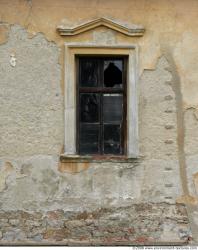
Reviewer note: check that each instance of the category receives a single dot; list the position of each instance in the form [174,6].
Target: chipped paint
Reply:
[187,199]
[73,167]
[195,179]
[4,31]
[4,173]
[13,60]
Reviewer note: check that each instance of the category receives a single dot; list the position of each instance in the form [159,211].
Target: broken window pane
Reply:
[89,105]
[112,134]
[113,73]
[89,139]
[101,105]
[88,72]
[112,107]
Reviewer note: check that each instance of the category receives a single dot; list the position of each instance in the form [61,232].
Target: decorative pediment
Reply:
[128,31]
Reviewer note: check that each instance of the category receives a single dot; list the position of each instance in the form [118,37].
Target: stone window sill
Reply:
[86,158]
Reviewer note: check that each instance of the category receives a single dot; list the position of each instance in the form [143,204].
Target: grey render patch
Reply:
[37,184]
[31,105]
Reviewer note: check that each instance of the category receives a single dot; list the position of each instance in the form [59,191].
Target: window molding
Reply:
[134,30]
[73,49]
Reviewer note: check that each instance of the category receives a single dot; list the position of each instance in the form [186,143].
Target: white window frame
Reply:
[74,49]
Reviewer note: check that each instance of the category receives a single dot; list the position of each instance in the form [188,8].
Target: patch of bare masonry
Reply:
[140,224]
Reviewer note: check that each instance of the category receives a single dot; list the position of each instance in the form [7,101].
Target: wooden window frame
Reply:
[84,48]
[100,89]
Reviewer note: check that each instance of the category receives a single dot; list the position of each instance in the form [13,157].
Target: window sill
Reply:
[86,158]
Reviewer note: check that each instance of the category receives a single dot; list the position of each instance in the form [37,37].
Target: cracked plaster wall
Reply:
[31,108]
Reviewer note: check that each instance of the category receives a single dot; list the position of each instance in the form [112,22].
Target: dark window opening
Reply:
[113,73]
[101,105]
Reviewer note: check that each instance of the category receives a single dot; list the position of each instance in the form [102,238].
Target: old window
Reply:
[101,105]
[128,54]
[76,126]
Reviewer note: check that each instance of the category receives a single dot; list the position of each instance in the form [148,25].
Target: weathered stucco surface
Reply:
[31,104]
[152,199]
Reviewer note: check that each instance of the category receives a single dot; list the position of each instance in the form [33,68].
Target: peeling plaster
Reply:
[4,31]
[73,167]
[4,173]
[187,199]
[13,60]
[195,179]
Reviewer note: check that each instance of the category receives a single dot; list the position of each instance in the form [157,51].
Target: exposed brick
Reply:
[143,224]
[56,234]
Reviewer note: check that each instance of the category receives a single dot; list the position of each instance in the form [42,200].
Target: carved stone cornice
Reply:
[128,31]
